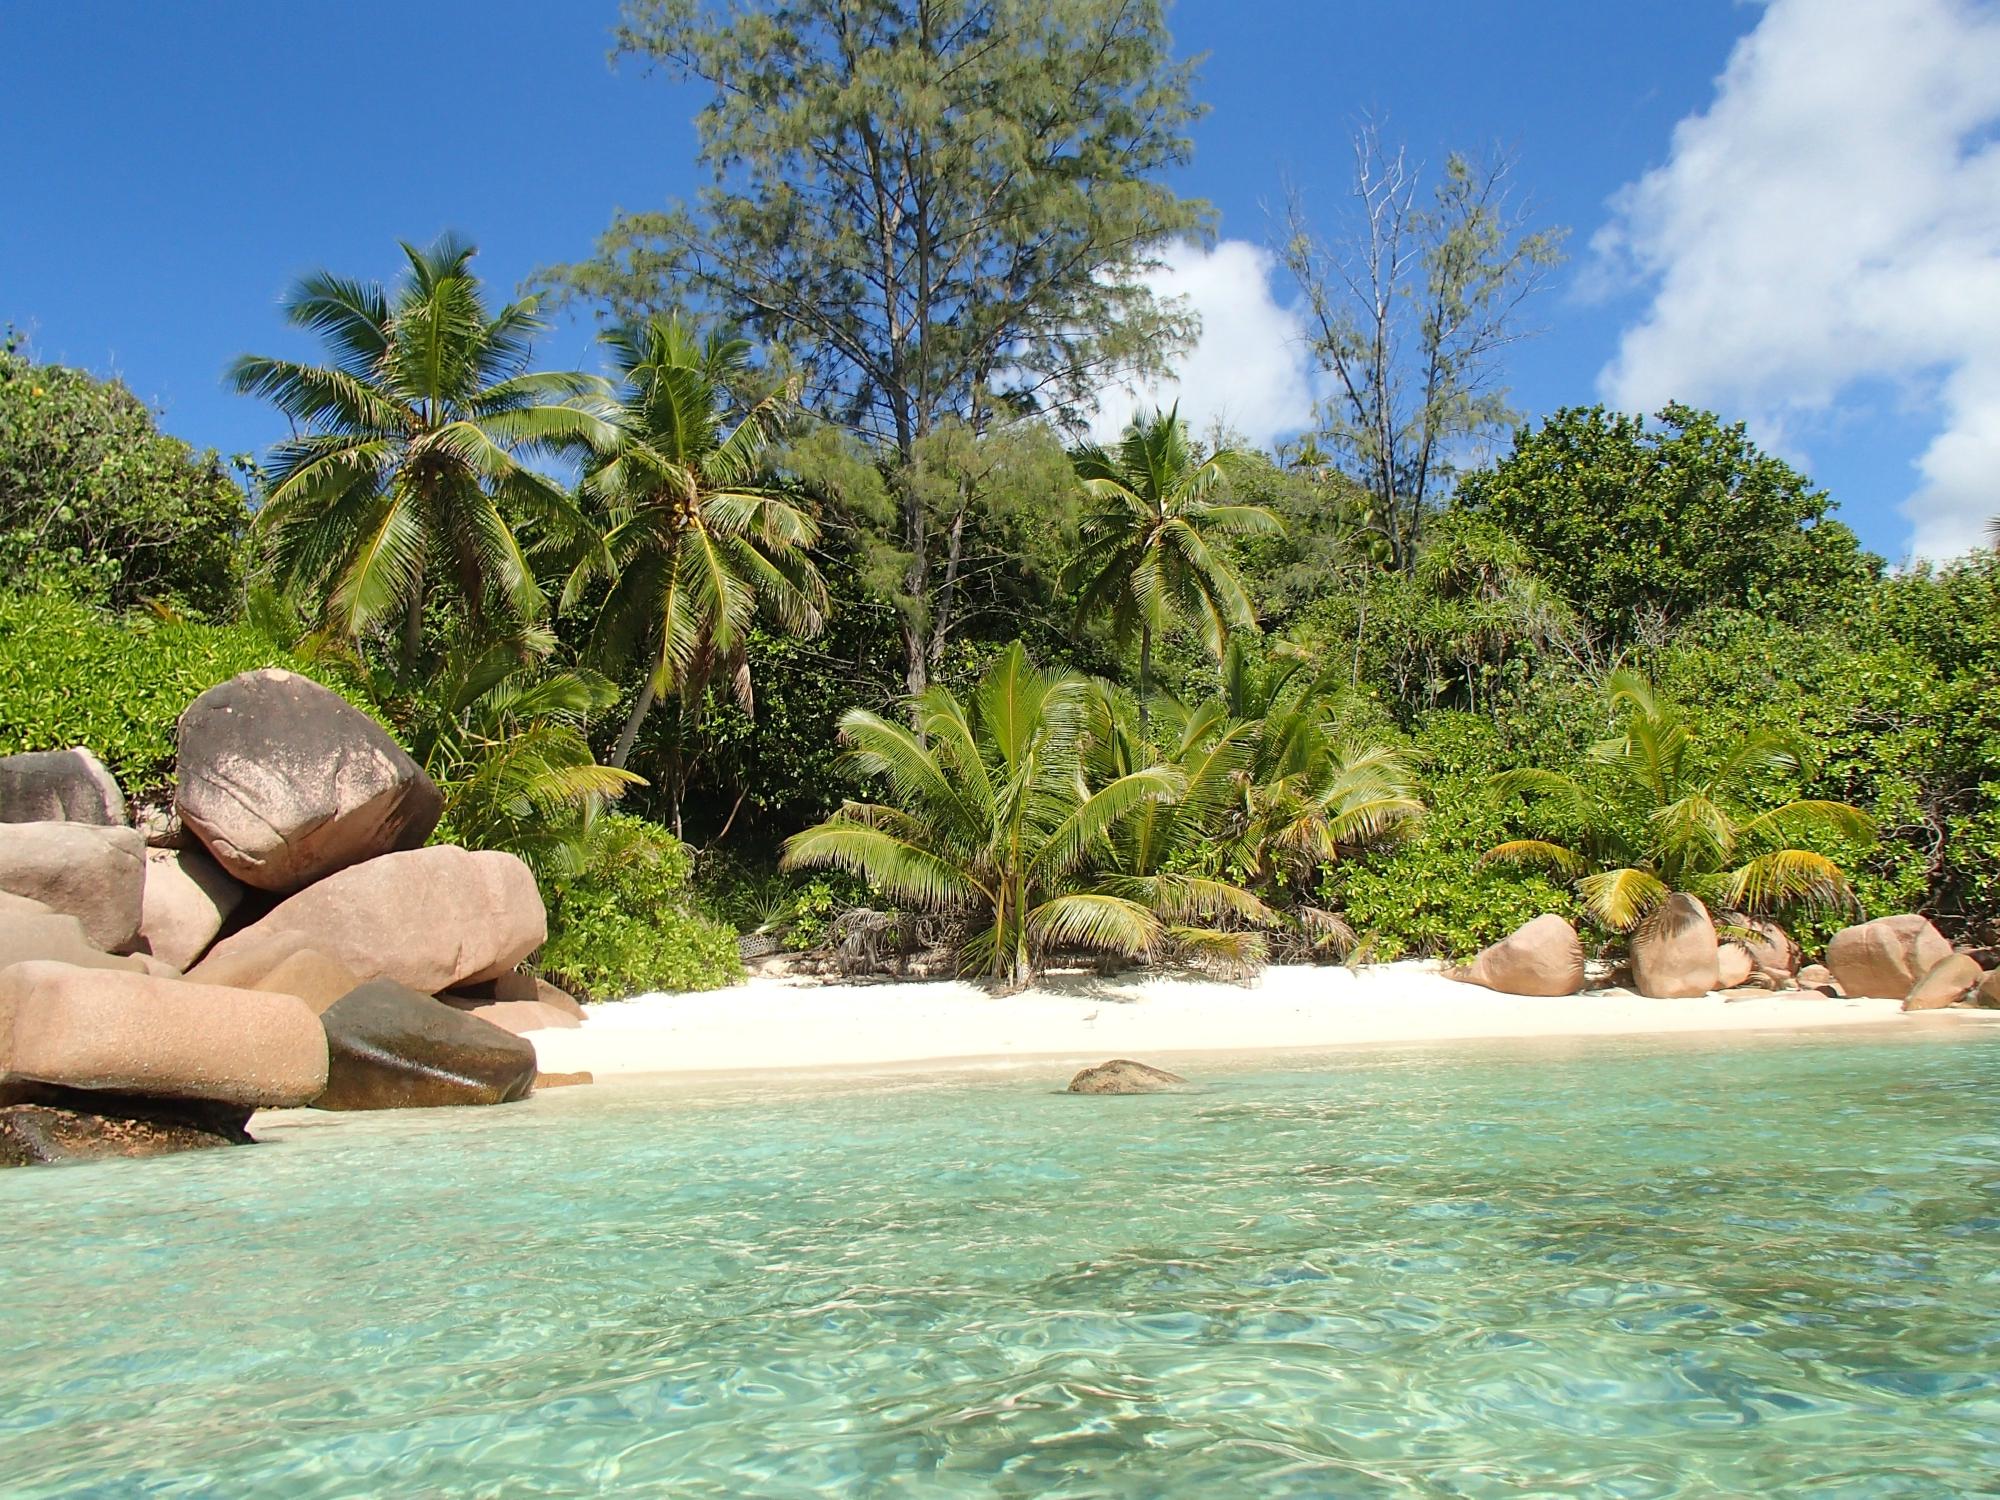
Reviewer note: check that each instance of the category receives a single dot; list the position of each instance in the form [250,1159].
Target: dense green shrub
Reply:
[71,674]
[95,499]
[627,924]
[1428,894]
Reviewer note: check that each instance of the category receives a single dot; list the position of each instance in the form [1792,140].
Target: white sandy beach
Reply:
[793,1023]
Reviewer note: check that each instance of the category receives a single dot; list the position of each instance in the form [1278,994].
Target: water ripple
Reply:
[1631,1270]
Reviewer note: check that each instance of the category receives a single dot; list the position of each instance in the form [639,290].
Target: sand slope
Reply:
[793,1023]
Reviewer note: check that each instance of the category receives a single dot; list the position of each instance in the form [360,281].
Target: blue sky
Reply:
[1815,248]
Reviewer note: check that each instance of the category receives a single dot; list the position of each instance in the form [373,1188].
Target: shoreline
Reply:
[791,1025]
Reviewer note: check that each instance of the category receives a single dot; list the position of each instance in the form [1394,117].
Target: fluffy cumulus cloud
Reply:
[1833,219]
[1250,370]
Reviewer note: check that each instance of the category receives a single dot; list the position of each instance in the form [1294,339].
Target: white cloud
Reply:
[1250,369]
[1833,218]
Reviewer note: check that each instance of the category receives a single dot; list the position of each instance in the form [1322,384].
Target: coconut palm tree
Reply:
[689,540]
[1653,817]
[407,448]
[1148,556]
[989,814]
[1169,855]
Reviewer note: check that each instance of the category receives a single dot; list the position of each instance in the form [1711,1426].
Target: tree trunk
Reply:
[622,751]
[1145,672]
[413,631]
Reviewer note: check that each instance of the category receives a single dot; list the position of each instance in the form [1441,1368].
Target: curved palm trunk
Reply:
[622,750]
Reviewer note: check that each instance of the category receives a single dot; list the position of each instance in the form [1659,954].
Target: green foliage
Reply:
[1640,526]
[689,540]
[626,923]
[71,674]
[1657,809]
[989,815]
[404,464]
[96,501]
[946,211]
[1428,893]
[1150,557]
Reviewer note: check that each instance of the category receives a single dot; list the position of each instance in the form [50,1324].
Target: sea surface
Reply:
[1616,1268]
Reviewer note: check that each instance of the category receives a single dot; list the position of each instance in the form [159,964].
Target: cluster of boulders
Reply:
[279,936]
[1678,952]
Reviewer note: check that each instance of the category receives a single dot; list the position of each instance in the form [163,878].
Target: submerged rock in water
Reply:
[1123,1076]
[41,1124]
[393,1048]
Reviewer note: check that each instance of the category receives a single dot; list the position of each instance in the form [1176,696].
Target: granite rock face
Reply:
[126,1033]
[432,919]
[1885,957]
[59,786]
[1123,1076]
[286,782]
[393,1048]
[1949,981]
[1541,957]
[186,899]
[94,873]
[29,932]
[1674,953]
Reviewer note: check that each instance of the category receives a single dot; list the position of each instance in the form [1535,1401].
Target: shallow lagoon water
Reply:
[1605,1268]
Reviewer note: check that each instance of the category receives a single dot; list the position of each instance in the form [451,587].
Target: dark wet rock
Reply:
[1123,1076]
[286,782]
[42,1124]
[59,786]
[391,1047]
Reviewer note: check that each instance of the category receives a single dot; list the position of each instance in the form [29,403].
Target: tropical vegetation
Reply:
[741,629]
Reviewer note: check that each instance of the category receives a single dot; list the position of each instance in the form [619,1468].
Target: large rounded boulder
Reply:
[59,786]
[137,1034]
[95,874]
[1949,981]
[432,919]
[1675,954]
[187,898]
[1886,957]
[392,1048]
[286,782]
[1542,957]
[30,932]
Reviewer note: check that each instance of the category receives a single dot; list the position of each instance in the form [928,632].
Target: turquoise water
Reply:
[1604,1269]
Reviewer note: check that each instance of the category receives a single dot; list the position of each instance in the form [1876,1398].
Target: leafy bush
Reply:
[71,674]
[96,500]
[626,924]
[1429,894]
